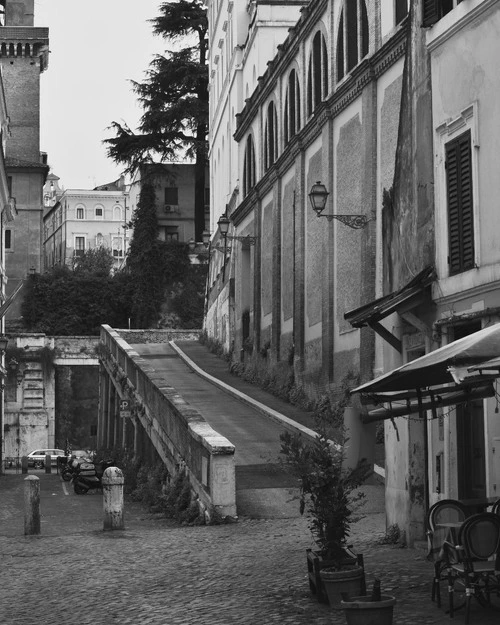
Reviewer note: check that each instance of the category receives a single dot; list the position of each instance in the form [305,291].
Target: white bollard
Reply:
[112,488]
[31,505]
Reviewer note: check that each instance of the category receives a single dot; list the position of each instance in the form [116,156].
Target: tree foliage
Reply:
[174,97]
[68,302]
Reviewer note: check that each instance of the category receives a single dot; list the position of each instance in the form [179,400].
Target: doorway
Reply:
[471,452]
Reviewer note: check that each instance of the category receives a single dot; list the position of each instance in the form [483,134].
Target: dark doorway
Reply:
[470,438]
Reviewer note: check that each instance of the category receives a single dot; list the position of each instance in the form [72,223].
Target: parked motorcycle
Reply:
[89,475]
[70,468]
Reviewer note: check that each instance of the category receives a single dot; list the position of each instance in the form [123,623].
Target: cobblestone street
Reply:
[154,572]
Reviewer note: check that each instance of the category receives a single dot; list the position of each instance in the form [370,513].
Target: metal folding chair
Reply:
[475,560]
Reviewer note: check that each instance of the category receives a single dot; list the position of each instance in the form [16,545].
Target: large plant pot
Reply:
[316,563]
[348,579]
[364,611]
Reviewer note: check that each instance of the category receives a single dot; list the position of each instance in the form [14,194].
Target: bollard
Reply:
[48,463]
[112,488]
[31,505]
[24,464]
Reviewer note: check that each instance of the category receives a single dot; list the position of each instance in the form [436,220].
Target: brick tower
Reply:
[23,57]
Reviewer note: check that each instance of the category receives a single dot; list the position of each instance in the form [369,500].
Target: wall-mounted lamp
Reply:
[206,238]
[191,245]
[223,224]
[318,196]
[32,270]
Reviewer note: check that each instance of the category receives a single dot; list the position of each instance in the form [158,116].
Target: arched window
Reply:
[249,166]
[317,79]
[291,121]
[352,39]
[271,137]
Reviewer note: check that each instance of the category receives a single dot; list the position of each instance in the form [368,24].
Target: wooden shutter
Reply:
[460,204]
[430,12]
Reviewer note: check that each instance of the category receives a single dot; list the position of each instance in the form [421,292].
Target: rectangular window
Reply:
[172,196]
[9,185]
[458,165]
[401,10]
[79,246]
[168,233]
[79,213]
[8,239]
[434,10]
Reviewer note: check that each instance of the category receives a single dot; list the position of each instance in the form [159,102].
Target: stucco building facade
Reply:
[362,96]
[81,220]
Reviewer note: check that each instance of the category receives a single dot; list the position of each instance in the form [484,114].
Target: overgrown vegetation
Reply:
[159,492]
[76,301]
[279,379]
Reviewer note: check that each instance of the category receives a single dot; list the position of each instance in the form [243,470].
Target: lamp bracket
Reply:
[356,222]
[246,239]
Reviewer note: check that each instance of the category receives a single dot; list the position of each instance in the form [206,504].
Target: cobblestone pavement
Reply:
[157,573]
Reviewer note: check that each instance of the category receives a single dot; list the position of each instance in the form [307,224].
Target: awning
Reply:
[407,298]
[452,374]
[403,301]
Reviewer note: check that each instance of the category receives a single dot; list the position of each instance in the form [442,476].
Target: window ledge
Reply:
[456,20]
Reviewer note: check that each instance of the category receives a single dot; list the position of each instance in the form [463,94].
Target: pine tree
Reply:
[174,97]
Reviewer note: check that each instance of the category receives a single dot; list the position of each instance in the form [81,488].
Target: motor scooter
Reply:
[70,469]
[89,476]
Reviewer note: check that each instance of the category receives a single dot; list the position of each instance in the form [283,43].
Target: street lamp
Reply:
[318,196]
[3,343]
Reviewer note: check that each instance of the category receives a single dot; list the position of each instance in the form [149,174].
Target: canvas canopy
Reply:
[449,375]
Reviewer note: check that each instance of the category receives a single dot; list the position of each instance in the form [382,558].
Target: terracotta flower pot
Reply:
[346,580]
[364,611]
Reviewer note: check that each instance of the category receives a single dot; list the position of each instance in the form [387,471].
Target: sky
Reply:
[96,47]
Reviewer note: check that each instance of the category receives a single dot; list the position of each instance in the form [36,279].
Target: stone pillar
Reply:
[31,505]
[223,483]
[112,488]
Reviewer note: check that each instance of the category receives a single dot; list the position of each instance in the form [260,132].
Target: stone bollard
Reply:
[48,463]
[31,505]
[24,464]
[112,488]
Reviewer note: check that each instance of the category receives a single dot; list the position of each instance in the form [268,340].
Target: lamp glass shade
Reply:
[206,237]
[223,224]
[3,343]
[318,196]
[191,244]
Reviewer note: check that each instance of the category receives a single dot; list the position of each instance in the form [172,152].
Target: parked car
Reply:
[82,453]
[36,459]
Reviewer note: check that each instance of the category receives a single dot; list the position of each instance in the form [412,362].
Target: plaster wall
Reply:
[466,43]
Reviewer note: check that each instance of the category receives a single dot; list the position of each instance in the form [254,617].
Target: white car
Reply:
[36,459]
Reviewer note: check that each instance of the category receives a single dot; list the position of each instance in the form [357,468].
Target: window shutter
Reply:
[460,205]
[430,12]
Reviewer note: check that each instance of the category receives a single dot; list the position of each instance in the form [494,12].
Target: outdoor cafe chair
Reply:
[475,560]
[440,516]
[496,507]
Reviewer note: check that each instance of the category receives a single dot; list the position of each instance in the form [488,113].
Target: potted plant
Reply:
[327,497]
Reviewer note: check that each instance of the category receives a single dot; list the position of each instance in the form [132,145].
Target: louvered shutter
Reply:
[430,12]
[460,205]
